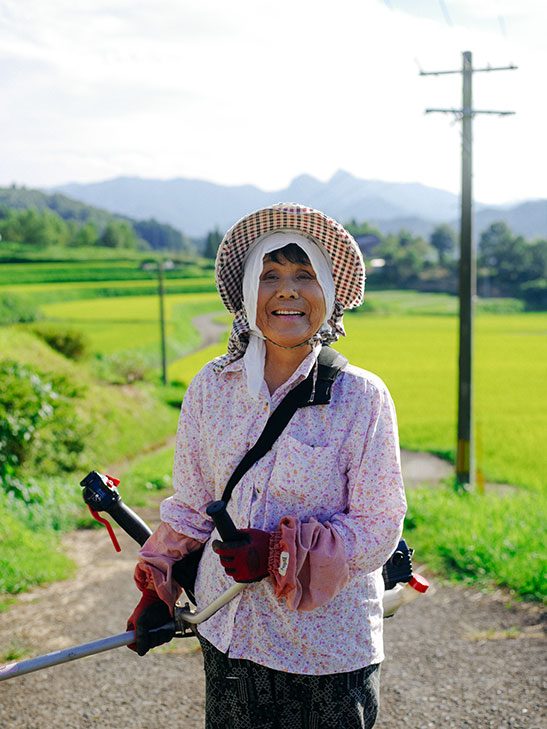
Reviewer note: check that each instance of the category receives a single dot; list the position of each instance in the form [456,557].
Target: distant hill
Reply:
[157,234]
[22,198]
[197,206]
[528,219]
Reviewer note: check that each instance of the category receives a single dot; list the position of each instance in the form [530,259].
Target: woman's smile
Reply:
[290,305]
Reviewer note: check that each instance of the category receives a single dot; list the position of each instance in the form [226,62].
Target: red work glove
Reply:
[247,559]
[150,613]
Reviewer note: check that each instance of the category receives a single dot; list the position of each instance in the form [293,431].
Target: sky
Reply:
[260,91]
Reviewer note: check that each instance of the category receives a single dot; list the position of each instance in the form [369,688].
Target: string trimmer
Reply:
[100,493]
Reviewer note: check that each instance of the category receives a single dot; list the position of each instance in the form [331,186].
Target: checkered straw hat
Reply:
[348,268]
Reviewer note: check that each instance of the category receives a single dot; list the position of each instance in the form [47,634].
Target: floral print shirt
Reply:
[338,464]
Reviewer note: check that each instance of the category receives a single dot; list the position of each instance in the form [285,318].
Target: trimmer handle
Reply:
[100,494]
[223,521]
[131,522]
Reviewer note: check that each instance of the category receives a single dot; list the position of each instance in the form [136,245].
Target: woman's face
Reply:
[290,305]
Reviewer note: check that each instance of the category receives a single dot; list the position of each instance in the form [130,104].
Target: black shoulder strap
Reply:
[330,363]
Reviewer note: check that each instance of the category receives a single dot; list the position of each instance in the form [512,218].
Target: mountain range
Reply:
[197,206]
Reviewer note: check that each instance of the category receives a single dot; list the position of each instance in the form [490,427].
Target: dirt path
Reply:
[210,330]
[455,658]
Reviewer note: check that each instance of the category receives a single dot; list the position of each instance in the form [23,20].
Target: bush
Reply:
[14,309]
[41,504]
[535,294]
[123,368]
[69,342]
[39,425]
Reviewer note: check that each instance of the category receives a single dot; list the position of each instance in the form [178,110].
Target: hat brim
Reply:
[348,268]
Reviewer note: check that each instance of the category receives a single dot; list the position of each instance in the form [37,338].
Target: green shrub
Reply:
[72,343]
[15,309]
[41,504]
[40,428]
[124,368]
[535,294]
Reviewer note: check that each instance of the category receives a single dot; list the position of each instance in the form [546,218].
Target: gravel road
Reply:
[455,658]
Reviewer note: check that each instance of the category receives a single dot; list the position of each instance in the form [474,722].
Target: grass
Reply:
[145,480]
[417,303]
[489,540]
[96,271]
[11,252]
[29,556]
[42,293]
[124,420]
[183,370]
[148,287]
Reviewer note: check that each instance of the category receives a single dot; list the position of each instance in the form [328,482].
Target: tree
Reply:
[359,229]
[118,234]
[212,242]
[405,257]
[161,235]
[508,259]
[443,239]
[86,235]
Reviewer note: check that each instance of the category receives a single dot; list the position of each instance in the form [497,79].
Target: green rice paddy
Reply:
[132,322]
[417,357]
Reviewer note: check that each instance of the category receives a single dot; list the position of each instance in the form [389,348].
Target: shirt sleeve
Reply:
[157,556]
[311,562]
[307,563]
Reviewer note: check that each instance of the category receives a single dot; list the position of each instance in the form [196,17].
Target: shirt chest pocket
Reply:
[307,480]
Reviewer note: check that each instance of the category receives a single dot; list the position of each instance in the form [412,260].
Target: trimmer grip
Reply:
[223,521]
[130,522]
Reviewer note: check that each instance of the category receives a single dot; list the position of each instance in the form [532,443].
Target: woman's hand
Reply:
[151,613]
[247,559]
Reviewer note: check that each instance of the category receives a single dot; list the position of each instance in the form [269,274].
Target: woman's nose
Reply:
[287,289]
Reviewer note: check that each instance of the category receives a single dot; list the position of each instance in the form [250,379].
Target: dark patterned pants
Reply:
[241,694]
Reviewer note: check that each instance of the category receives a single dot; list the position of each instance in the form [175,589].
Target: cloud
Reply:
[262,91]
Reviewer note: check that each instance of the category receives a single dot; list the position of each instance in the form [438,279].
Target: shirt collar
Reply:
[301,372]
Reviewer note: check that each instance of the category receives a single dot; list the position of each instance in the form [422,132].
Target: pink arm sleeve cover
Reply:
[314,557]
[156,559]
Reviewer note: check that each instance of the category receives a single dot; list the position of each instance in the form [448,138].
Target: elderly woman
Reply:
[322,511]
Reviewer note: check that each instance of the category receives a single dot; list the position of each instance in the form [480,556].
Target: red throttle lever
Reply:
[100,494]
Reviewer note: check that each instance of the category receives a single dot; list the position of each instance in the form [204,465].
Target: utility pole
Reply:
[467,268]
[161,293]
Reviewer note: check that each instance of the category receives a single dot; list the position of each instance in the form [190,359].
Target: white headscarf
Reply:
[255,354]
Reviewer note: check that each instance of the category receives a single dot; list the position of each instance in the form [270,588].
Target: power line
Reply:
[503,27]
[445,13]
[467,270]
